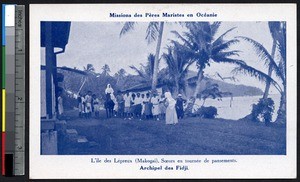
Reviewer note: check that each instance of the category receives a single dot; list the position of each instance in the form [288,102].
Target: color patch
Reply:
[3,110]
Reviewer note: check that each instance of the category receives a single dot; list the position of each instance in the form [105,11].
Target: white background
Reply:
[248,166]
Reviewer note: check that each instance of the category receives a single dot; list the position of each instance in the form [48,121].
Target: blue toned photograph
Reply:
[163,88]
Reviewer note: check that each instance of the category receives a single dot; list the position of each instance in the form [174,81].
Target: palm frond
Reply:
[152,31]
[223,45]
[138,71]
[186,42]
[228,54]
[264,55]
[261,76]
[219,59]
[221,37]
[127,27]
[214,27]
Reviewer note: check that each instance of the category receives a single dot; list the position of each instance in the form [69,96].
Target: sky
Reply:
[99,43]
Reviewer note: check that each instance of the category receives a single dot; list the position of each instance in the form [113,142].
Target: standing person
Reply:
[88,106]
[138,105]
[155,106]
[171,116]
[60,104]
[109,90]
[80,105]
[115,109]
[148,106]
[132,106]
[162,106]
[179,106]
[127,100]
[96,106]
[121,105]
[83,113]
[143,106]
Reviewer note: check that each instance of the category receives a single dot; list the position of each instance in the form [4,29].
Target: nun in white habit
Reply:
[109,89]
[171,115]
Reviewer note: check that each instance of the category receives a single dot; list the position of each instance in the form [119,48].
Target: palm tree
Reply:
[178,66]
[89,68]
[278,31]
[105,70]
[120,77]
[200,45]
[154,32]
[145,72]
[274,28]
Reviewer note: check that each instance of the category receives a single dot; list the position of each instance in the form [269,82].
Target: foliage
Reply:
[145,71]
[207,112]
[211,91]
[105,70]
[263,111]
[201,45]
[177,69]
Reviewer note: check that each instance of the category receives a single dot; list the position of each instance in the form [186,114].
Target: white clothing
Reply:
[155,108]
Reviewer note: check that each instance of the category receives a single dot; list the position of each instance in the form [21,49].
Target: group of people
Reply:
[142,106]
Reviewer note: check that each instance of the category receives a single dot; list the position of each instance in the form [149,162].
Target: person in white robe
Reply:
[109,89]
[171,115]
[155,106]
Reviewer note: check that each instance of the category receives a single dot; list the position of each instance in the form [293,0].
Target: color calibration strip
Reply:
[13,70]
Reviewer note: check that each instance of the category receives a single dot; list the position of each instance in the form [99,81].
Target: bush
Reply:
[207,112]
[263,111]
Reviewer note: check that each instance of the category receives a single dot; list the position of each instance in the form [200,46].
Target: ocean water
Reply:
[240,106]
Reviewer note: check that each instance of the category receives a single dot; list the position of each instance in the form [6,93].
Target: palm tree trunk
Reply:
[268,84]
[198,86]
[155,71]
[176,90]
[281,113]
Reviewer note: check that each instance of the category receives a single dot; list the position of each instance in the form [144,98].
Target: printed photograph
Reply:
[163,88]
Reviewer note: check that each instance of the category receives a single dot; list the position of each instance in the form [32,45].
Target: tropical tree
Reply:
[105,70]
[154,32]
[201,45]
[278,32]
[120,77]
[145,71]
[211,91]
[89,68]
[178,65]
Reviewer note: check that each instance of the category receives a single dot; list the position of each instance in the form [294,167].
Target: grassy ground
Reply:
[190,136]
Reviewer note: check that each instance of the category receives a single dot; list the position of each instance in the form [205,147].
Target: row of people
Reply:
[130,105]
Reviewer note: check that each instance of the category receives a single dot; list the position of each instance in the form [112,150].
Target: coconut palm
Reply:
[200,44]
[178,66]
[89,68]
[120,77]
[105,70]
[145,72]
[278,31]
[154,32]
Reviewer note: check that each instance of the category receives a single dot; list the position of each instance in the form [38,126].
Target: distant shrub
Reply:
[263,111]
[207,112]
